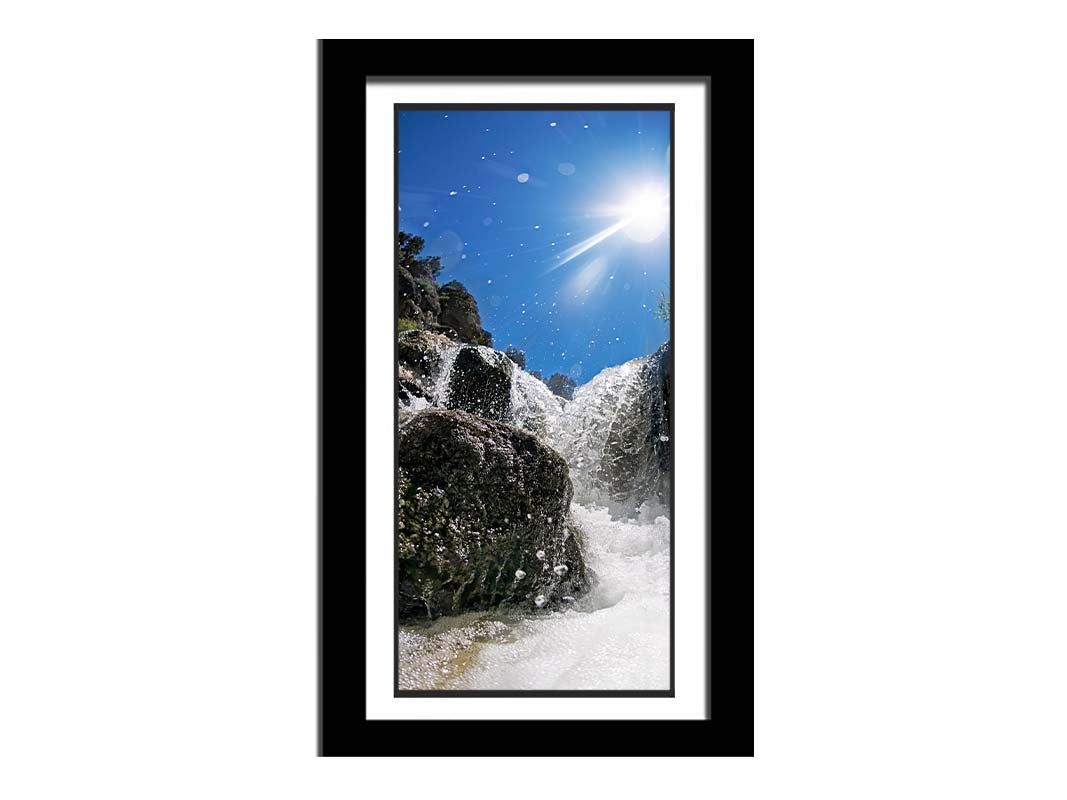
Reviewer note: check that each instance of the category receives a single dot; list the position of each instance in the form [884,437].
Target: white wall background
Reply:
[157,244]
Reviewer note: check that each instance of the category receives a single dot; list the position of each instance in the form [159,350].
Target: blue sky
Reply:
[556,221]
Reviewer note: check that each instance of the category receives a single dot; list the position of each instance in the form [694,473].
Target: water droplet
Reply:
[452,194]
[540,555]
[551,124]
[561,569]
[523,177]
[539,600]
[519,574]
[426,224]
[566,168]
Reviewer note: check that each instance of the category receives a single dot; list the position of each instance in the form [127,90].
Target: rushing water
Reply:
[618,635]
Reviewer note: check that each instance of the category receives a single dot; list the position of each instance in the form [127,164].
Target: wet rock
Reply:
[561,385]
[477,501]
[443,330]
[410,389]
[419,356]
[480,383]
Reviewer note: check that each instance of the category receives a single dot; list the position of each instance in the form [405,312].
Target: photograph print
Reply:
[534,369]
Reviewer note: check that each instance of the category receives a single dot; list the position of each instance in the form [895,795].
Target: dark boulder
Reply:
[561,385]
[483,519]
[480,383]
[459,311]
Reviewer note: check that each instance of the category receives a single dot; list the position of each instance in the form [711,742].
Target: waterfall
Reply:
[615,437]
[614,434]
[443,375]
[535,408]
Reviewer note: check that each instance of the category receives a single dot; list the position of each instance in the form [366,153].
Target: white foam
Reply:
[617,637]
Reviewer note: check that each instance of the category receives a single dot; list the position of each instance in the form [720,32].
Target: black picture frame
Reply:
[725,67]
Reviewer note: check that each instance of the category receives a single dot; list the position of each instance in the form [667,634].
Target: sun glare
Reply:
[646,215]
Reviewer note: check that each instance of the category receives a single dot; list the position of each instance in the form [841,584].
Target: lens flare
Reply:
[644,217]
[647,215]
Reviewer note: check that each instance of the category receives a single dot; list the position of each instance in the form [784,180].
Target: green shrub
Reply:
[404,324]
[409,248]
[663,308]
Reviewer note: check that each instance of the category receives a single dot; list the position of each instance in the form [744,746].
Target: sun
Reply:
[646,214]
[644,217]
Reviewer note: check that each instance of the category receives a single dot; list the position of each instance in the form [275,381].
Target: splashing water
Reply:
[615,637]
[607,433]
[535,408]
[618,635]
[612,433]
[443,376]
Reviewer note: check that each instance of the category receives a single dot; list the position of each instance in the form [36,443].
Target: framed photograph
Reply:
[536,407]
